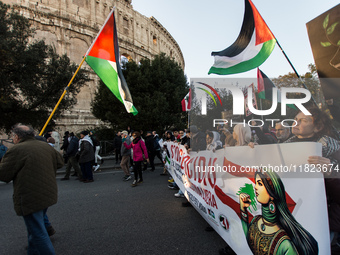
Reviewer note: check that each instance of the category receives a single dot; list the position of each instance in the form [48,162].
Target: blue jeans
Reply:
[39,243]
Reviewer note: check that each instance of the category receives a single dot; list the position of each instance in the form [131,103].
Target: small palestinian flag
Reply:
[265,86]
[103,58]
[186,102]
[252,47]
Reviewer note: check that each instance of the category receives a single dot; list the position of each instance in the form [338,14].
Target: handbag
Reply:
[145,162]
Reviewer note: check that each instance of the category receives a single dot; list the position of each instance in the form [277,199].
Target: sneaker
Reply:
[172,187]
[50,230]
[128,178]
[64,179]
[171,180]
[139,181]
[134,184]
[96,167]
[179,195]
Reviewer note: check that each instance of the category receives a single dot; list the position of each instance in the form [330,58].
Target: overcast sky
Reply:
[200,27]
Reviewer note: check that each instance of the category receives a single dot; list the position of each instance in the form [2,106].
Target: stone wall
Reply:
[71,26]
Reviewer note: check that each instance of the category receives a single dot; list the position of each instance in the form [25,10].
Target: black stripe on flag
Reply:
[243,40]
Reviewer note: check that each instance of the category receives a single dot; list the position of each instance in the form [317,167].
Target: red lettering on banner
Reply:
[207,196]
[212,180]
[172,151]
[185,163]
[178,156]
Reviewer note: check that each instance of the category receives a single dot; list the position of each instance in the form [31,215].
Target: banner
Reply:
[324,37]
[214,183]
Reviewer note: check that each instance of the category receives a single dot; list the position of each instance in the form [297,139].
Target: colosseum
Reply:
[71,26]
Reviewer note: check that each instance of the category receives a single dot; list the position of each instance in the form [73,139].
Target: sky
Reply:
[200,27]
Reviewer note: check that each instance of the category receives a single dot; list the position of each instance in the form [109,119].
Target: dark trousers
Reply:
[137,170]
[72,162]
[152,155]
[158,154]
[118,155]
[86,169]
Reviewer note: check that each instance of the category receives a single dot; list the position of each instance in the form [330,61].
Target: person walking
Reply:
[86,156]
[96,145]
[65,145]
[32,166]
[117,142]
[126,154]
[138,148]
[71,152]
[150,146]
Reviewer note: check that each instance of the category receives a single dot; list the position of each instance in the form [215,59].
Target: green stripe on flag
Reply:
[244,66]
[106,73]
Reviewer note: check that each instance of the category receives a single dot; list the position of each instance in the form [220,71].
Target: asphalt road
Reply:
[109,216]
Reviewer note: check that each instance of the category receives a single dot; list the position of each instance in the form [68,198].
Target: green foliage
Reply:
[328,31]
[32,75]
[157,88]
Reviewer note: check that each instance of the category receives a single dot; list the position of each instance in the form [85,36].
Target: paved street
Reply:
[109,216]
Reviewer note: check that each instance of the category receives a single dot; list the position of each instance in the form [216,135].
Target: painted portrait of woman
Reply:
[275,231]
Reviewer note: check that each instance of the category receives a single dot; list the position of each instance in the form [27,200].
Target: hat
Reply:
[124,132]
[84,132]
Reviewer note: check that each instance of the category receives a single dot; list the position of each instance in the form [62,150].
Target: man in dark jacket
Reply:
[32,166]
[71,152]
[150,146]
[117,142]
[86,158]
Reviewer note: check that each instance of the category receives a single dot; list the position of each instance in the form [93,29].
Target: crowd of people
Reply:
[136,153]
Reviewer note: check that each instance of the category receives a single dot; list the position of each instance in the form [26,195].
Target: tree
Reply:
[310,79]
[32,75]
[157,88]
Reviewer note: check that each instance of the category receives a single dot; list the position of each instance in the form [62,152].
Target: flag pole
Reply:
[297,74]
[62,96]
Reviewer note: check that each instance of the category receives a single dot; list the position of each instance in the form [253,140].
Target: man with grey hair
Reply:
[282,132]
[32,166]
[126,154]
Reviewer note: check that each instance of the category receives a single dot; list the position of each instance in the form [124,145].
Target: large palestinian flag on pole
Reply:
[252,47]
[103,58]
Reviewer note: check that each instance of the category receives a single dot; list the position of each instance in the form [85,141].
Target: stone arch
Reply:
[76,49]
[48,37]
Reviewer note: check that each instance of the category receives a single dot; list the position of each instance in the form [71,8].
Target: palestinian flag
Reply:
[186,102]
[252,47]
[265,86]
[103,58]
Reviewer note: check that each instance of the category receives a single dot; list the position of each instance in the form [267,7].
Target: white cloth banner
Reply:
[213,182]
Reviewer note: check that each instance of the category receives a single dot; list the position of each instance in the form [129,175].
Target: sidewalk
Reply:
[108,164]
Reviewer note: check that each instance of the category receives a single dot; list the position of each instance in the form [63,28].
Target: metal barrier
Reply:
[106,148]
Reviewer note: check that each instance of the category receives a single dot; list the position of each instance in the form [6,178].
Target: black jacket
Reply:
[72,148]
